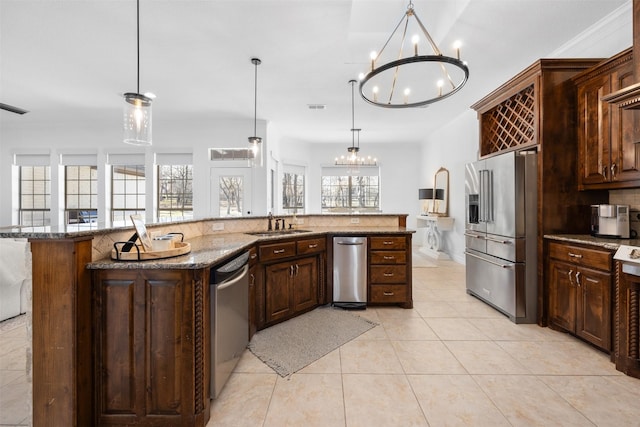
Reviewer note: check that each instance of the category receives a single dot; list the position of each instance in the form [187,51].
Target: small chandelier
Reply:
[422,79]
[254,140]
[353,159]
[137,107]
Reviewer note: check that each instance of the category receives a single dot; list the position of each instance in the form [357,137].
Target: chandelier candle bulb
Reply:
[415,39]
[373,55]
[457,45]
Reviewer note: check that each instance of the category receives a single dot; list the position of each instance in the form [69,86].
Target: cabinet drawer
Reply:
[592,258]
[388,293]
[388,274]
[388,242]
[277,251]
[388,257]
[311,246]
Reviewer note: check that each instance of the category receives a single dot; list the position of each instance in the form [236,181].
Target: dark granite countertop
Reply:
[587,239]
[209,250]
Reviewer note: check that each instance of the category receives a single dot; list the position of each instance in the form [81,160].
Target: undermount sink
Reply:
[277,232]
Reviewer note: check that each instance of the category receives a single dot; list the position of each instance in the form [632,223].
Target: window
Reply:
[81,194]
[35,195]
[175,191]
[292,192]
[231,195]
[127,192]
[343,190]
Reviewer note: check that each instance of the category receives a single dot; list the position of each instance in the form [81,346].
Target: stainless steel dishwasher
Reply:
[350,272]
[229,286]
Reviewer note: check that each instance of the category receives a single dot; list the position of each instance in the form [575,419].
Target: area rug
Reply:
[290,346]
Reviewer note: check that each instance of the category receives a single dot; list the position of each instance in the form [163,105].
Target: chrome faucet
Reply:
[270,227]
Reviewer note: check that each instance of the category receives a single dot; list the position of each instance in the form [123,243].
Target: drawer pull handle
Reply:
[278,251]
[388,294]
[570,280]
[314,245]
[572,255]
[388,274]
[578,278]
[388,257]
[254,256]
[386,242]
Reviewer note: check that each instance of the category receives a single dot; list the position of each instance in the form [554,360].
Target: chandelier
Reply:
[421,79]
[137,107]
[353,158]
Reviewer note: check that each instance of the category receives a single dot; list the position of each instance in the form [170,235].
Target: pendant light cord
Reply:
[353,114]
[255,98]
[138,39]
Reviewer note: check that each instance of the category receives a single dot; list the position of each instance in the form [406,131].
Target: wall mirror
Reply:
[441,192]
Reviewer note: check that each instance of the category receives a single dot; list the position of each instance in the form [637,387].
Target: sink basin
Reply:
[277,232]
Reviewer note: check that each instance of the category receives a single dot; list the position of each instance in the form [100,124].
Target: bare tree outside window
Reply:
[346,193]
[175,191]
[293,193]
[231,196]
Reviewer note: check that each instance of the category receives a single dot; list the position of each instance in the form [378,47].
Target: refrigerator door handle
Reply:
[489,196]
[490,262]
[504,242]
[476,236]
[481,200]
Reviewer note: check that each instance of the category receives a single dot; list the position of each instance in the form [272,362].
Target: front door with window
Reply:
[230,192]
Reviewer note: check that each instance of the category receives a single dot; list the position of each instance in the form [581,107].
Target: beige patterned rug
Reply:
[291,345]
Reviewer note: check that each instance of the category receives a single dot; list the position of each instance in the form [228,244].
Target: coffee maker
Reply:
[610,221]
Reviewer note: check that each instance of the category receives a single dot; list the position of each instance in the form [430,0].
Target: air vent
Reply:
[316,106]
[231,153]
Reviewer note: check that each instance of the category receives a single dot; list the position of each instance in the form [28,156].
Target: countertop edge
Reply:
[587,239]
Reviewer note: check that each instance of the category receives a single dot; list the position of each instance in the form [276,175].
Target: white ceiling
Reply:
[69,60]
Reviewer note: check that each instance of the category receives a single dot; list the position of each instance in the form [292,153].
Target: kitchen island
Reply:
[588,294]
[65,302]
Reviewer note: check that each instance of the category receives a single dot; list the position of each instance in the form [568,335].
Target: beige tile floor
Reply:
[450,361]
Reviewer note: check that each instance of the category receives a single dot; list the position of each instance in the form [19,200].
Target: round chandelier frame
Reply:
[437,58]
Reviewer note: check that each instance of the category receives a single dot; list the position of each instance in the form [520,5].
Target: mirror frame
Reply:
[441,210]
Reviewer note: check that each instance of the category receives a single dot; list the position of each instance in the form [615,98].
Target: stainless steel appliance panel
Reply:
[505,195]
[475,240]
[473,197]
[350,271]
[507,248]
[496,282]
[230,319]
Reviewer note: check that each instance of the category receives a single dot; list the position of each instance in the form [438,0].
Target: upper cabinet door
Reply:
[594,146]
[625,134]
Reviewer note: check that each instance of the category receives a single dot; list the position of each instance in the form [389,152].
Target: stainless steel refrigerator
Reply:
[501,233]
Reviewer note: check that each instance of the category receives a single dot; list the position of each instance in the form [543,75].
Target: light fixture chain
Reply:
[395,73]
[353,113]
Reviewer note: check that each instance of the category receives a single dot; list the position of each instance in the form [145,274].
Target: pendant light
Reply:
[137,107]
[256,141]
[353,159]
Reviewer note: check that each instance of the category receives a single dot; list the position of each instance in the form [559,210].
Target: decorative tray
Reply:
[130,251]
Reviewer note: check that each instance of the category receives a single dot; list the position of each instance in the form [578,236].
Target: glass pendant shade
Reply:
[137,119]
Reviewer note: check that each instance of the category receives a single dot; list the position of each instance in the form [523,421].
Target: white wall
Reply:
[106,137]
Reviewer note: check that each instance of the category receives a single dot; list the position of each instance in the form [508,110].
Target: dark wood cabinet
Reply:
[390,270]
[607,134]
[627,328]
[151,360]
[580,283]
[291,287]
[537,109]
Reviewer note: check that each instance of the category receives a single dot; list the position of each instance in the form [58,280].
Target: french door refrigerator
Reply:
[501,233]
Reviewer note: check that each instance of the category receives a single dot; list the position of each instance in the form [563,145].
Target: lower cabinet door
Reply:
[594,307]
[562,295]
[305,284]
[279,297]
